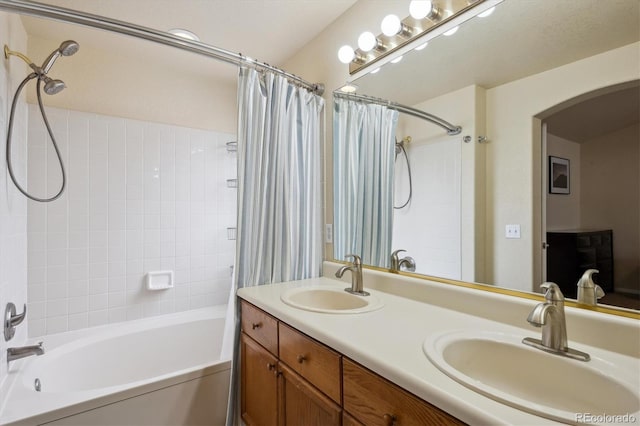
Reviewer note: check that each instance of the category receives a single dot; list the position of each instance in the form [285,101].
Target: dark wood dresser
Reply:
[571,252]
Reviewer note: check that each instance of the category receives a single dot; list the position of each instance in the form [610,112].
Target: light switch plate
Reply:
[328,233]
[512,231]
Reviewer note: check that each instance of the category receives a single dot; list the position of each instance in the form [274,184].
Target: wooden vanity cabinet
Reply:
[277,391]
[372,400]
[289,378]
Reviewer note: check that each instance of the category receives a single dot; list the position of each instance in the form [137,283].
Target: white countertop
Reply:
[389,341]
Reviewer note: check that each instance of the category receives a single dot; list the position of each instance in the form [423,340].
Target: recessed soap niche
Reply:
[159,280]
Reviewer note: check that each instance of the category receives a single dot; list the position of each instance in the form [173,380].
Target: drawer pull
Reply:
[271,366]
[256,325]
[301,359]
[389,419]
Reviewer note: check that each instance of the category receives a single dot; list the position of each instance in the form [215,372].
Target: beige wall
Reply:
[111,83]
[563,210]
[611,176]
[513,156]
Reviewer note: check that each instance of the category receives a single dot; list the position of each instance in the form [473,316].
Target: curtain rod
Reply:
[450,128]
[41,10]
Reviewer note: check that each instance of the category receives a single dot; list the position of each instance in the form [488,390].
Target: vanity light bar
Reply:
[417,32]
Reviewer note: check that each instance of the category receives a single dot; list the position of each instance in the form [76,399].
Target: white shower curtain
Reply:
[279,230]
[363,161]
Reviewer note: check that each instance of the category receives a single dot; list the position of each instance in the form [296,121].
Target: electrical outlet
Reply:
[328,233]
[512,231]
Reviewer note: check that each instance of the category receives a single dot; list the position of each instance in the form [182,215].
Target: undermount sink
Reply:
[499,366]
[329,300]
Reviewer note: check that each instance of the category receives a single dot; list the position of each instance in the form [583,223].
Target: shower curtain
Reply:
[363,161]
[279,230]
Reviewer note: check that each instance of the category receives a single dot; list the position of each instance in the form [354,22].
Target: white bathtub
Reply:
[157,371]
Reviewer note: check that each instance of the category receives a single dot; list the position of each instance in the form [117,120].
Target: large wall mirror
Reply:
[542,182]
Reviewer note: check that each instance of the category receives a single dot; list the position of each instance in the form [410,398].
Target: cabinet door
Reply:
[303,404]
[259,381]
[373,400]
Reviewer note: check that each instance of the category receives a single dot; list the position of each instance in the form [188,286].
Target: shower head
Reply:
[67,48]
[51,87]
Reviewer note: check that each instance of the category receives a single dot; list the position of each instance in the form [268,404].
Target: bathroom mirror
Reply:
[525,83]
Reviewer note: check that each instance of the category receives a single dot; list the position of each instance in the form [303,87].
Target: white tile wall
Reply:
[141,197]
[429,228]
[13,205]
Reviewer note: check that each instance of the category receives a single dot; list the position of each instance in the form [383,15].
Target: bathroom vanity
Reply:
[291,378]
[303,366]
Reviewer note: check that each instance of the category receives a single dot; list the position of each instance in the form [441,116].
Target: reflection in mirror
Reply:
[363,183]
[365,153]
[522,84]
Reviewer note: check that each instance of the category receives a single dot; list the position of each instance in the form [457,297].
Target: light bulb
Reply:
[422,46]
[390,25]
[346,54]
[487,12]
[419,9]
[396,60]
[367,41]
[451,32]
[349,88]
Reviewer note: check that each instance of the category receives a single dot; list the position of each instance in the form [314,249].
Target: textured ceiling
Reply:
[521,38]
[597,116]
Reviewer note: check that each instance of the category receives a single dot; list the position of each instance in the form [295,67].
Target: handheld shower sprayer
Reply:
[400,149]
[67,48]
[51,87]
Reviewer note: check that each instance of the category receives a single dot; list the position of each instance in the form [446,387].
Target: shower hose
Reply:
[406,158]
[53,140]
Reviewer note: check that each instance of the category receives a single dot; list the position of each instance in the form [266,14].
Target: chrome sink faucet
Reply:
[356,275]
[588,291]
[550,316]
[24,351]
[397,263]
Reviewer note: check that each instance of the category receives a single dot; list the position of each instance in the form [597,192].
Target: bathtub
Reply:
[162,370]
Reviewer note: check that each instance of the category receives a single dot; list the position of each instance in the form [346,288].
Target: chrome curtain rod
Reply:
[450,128]
[95,21]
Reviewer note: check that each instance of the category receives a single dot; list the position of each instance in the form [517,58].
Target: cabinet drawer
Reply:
[260,326]
[374,400]
[312,360]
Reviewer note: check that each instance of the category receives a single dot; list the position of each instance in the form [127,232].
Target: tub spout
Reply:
[24,351]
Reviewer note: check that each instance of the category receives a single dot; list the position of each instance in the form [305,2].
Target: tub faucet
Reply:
[397,263]
[24,351]
[356,275]
[550,316]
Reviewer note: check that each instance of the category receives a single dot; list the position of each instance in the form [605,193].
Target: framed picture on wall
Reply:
[559,173]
